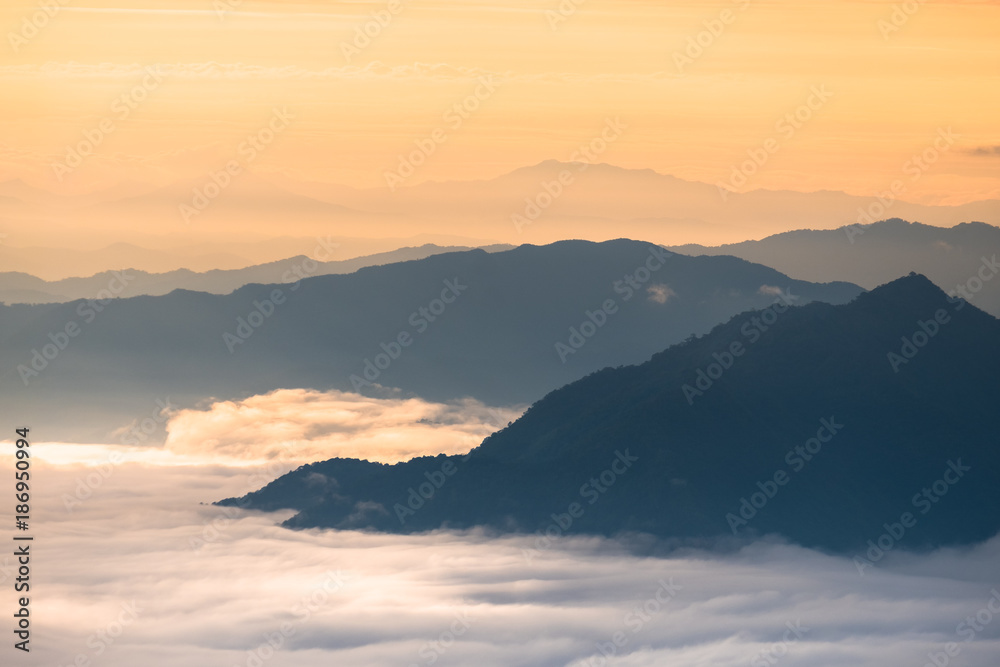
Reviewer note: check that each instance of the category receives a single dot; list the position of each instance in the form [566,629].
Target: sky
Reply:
[336,120]
[172,90]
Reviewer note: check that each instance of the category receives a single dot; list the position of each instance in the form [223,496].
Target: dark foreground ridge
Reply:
[829,425]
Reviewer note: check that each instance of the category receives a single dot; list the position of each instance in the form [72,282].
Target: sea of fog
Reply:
[132,565]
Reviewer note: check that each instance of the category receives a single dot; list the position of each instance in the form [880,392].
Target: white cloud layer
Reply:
[140,573]
[305,425]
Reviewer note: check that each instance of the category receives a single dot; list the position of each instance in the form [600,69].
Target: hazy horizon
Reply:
[272,120]
[544,333]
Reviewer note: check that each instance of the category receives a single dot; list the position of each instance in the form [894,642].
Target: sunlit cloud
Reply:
[660,293]
[305,425]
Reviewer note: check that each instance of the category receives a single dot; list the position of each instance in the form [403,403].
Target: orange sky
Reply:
[554,81]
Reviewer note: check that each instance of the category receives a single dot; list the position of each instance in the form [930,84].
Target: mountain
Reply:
[23,288]
[829,425]
[599,198]
[57,263]
[504,327]
[172,253]
[538,204]
[960,257]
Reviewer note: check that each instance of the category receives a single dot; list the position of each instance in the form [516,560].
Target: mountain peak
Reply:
[910,293]
[913,282]
[727,418]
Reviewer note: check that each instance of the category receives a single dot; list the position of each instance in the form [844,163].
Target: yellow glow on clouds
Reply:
[301,425]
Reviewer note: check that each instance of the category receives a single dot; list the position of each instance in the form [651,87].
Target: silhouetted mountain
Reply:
[826,428]
[541,203]
[961,256]
[654,206]
[448,326]
[24,288]
[158,255]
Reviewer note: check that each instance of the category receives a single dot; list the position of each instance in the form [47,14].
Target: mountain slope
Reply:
[812,430]
[24,288]
[471,323]
[963,256]
[595,202]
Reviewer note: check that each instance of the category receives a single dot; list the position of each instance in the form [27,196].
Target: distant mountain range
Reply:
[862,427]
[504,327]
[538,204]
[23,288]
[54,262]
[962,260]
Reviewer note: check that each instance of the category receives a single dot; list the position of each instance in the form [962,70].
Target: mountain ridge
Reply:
[214,281]
[895,427]
[958,259]
[495,342]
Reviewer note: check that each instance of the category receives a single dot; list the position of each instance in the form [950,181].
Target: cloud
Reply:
[984,150]
[305,425]
[660,293]
[213,585]
[771,290]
